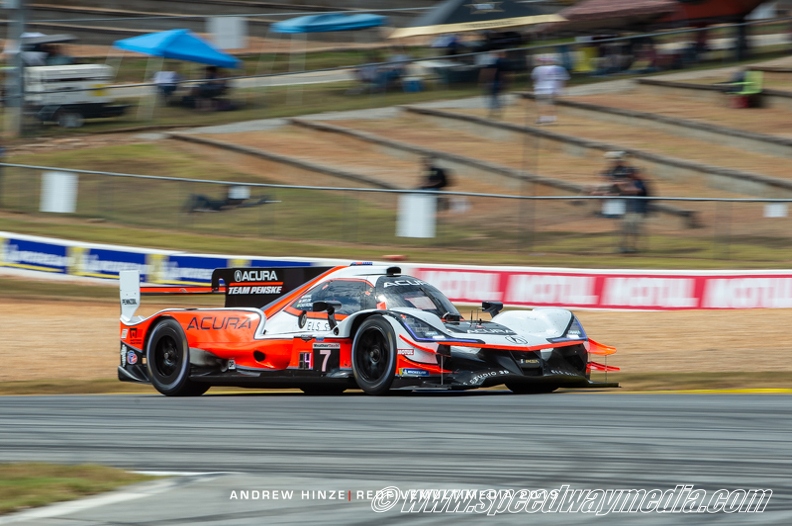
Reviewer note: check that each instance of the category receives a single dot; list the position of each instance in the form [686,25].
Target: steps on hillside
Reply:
[479,158]
[768,169]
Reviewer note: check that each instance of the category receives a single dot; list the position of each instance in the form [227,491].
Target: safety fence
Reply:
[755,231]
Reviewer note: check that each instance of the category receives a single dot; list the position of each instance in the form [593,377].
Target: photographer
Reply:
[636,210]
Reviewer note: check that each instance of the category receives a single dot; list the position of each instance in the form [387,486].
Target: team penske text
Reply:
[681,499]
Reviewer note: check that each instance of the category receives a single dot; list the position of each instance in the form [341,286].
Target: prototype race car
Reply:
[327,329]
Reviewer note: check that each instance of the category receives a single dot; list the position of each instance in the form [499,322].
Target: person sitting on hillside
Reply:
[208,95]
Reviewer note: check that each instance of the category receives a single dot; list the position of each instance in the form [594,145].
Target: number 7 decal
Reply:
[325,357]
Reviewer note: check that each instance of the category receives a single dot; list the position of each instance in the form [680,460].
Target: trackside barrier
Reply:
[516,286]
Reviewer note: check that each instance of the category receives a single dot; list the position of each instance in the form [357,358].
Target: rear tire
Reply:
[374,356]
[168,361]
[527,388]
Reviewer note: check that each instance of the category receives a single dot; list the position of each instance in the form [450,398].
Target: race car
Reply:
[327,329]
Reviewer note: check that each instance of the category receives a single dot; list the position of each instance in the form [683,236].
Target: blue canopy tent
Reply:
[329,22]
[179,44]
[324,23]
[176,44]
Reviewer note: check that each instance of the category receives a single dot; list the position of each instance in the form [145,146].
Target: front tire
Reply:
[374,356]
[168,361]
[528,388]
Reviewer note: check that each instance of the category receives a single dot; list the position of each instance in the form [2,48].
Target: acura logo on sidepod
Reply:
[237,276]
[516,339]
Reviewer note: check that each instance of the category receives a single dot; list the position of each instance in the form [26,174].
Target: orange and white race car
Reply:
[327,329]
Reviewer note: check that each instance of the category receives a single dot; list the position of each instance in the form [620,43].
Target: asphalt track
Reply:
[353,443]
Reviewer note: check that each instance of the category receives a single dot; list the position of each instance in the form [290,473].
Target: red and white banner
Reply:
[612,289]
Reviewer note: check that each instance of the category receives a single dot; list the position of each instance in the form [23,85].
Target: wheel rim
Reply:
[372,356]
[167,358]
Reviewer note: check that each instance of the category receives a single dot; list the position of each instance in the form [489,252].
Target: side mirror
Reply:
[331,307]
[492,307]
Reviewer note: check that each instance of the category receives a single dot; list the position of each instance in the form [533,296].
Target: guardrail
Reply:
[753,229]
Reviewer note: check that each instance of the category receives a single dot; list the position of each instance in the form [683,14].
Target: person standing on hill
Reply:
[549,79]
[494,77]
[636,210]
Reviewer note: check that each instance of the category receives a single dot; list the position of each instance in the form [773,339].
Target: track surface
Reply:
[353,442]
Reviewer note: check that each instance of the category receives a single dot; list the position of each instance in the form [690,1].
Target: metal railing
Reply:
[747,229]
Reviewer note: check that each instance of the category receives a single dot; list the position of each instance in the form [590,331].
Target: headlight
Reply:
[421,329]
[575,331]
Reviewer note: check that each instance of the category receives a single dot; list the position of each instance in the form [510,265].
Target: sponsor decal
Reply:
[562,372]
[270,289]
[187,270]
[489,374]
[35,255]
[550,289]
[241,276]
[403,283]
[124,333]
[528,361]
[462,285]
[133,336]
[106,263]
[208,323]
[317,325]
[516,340]
[123,355]
[406,352]
[320,345]
[643,291]
[231,365]
[489,330]
[129,301]
[413,372]
[132,358]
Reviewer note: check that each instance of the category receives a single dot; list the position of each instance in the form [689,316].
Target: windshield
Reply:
[403,291]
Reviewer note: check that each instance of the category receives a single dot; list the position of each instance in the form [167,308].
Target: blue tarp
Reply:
[178,44]
[328,22]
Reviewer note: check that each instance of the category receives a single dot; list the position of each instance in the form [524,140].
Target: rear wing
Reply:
[243,287]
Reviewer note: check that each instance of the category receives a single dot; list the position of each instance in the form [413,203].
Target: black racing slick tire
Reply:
[374,356]
[528,388]
[168,361]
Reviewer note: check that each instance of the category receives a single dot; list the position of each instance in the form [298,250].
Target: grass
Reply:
[28,485]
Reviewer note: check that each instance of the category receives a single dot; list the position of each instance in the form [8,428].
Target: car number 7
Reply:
[325,357]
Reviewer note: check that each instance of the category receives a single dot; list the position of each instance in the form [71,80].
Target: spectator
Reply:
[617,172]
[548,79]
[167,82]
[493,76]
[619,168]
[207,95]
[434,178]
[636,211]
